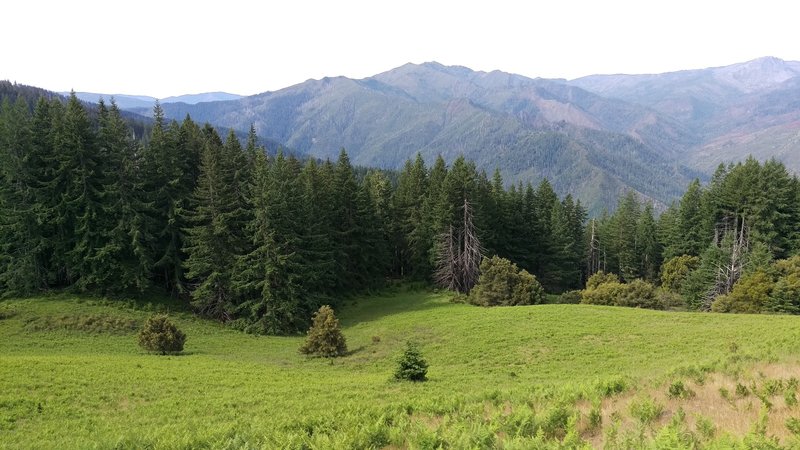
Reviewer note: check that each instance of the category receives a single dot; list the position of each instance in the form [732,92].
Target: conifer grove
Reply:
[261,241]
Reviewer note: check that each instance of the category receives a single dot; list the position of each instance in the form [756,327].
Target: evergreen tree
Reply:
[81,172]
[412,252]
[325,337]
[691,226]
[20,269]
[624,225]
[647,245]
[318,243]
[213,239]
[286,261]
[172,166]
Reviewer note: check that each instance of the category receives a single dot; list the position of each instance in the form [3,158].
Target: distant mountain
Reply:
[127,102]
[193,99]
[144,102]
[593,147]
[737,110]
[140,124]
[594,137]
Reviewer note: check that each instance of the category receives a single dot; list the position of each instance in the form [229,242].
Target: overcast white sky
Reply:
[172,47]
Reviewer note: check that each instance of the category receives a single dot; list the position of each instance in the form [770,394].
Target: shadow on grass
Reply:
[356,350]
[368,308]
[153,300]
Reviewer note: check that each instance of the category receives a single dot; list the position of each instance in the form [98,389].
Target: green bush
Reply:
[679,390]
[160,335]
[411,366]
[670,300]
[636,294]
[749,295]
[639,294]
[646,411]
[675,270]
[502,284]
[569,298]
[601,278]
[324,337]
[606,293]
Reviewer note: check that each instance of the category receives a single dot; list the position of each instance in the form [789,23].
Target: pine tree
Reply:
[412,251]
[316,181]
[624,224]
[126,255]
[411,366]
[325,337]
[213,239]
[690,222]
[172,165]
[277,275]
[20,269]
[81,171]
[354,231]
[647,245]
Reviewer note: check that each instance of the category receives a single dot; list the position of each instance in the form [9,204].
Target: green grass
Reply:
[503,377]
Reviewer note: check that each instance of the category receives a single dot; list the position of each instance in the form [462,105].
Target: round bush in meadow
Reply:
[160,335]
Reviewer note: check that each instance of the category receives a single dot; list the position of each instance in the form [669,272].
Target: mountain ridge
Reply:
[594,137]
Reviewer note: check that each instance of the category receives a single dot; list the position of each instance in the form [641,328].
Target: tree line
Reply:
[256,240]
[722,246]
[262,241]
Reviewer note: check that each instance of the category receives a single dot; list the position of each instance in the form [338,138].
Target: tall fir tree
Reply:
[213,239]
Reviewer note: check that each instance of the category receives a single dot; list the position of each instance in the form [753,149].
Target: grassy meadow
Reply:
[546,376]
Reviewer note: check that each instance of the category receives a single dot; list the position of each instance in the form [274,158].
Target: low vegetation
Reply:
[411,366]
[497,378]
[502,283]
[325,338]
[160,335]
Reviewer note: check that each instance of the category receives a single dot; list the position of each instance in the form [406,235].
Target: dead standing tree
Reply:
[735,244]
[459,255]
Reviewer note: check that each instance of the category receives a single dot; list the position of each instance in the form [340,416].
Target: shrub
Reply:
[675,270]
[793,425]
[603,294]
[324,337]
[502,284]
[670,300]
[749,295]
[601,278]
[595,417]
[741,390]
[646,411]
[569,298]
[705,427]
[160,335]
[639,294]
[636,294]
[679,390]
[611,387]
[411,366]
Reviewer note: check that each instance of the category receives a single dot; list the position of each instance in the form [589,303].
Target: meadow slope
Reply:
[72,376]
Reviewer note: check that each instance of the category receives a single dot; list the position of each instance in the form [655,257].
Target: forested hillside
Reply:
[260,241]
[255,240]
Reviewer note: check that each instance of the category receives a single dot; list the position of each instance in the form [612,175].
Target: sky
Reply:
[172,47]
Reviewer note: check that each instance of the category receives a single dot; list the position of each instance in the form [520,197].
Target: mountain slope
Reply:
[737,110]
[593,147]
